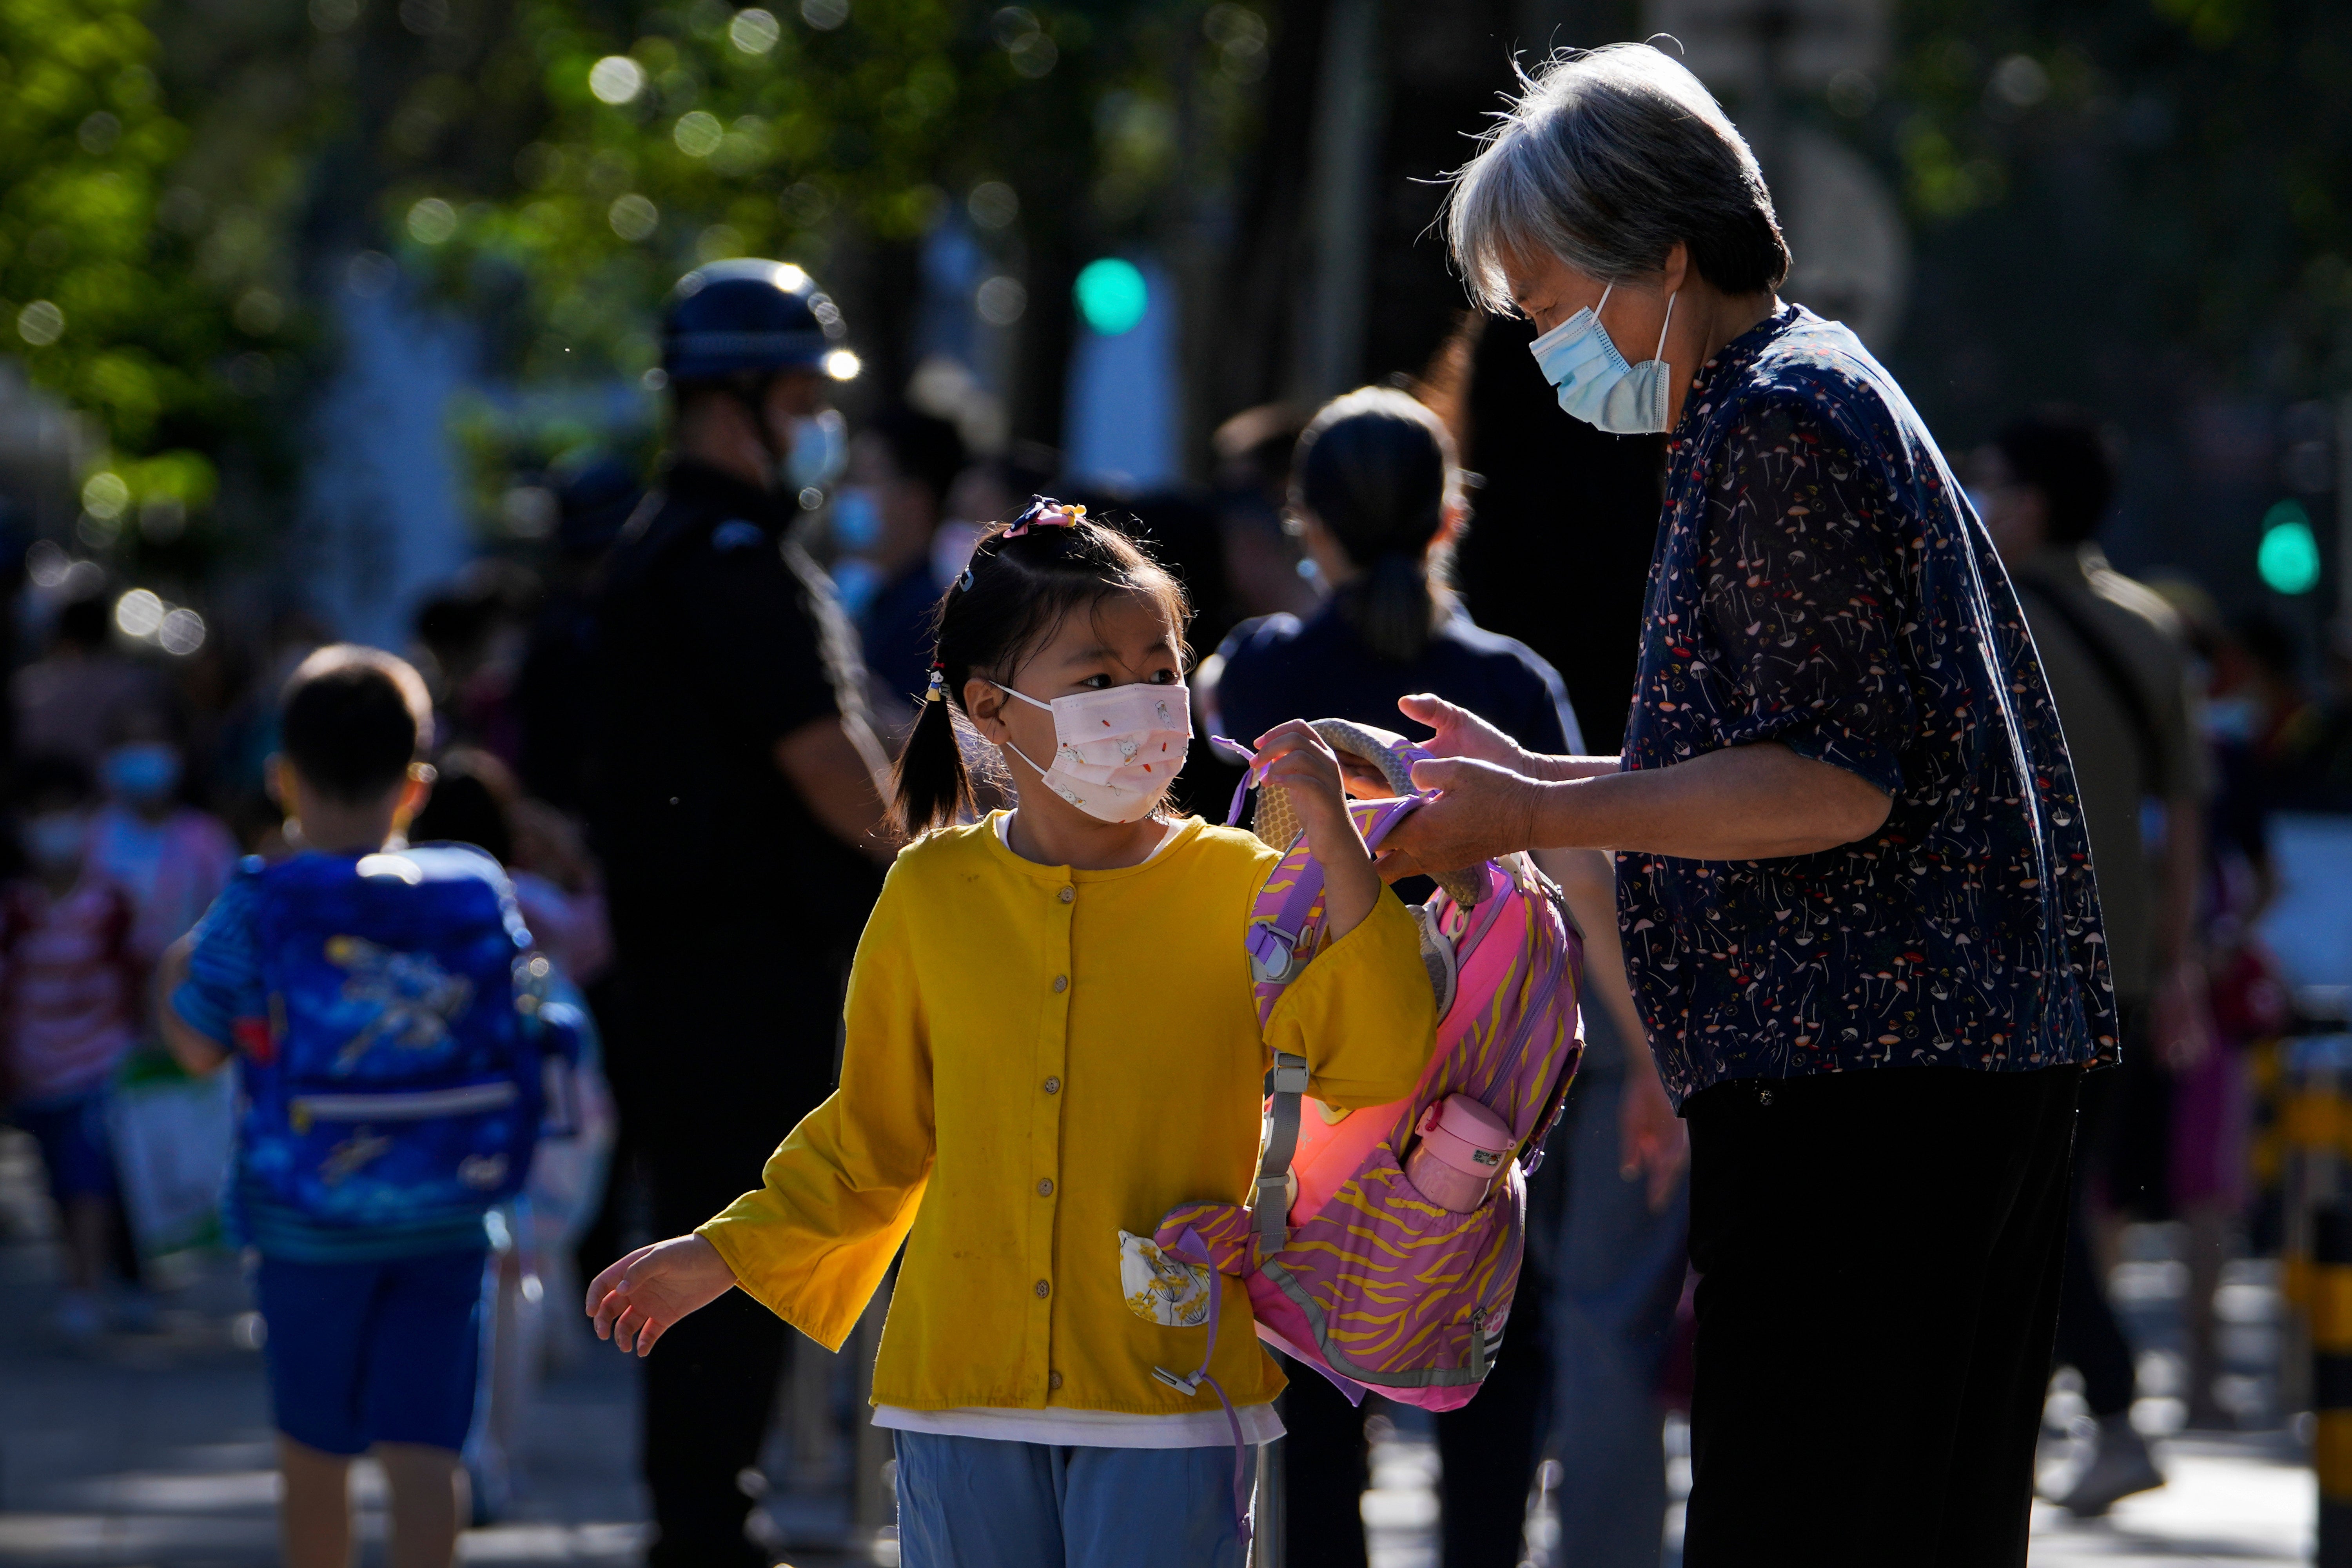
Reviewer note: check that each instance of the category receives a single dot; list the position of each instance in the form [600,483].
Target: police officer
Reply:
[734,800]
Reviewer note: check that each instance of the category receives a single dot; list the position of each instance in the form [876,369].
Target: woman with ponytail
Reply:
[1377,496]
[1052,1039]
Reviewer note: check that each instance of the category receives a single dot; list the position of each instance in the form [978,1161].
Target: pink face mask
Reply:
[1115,751]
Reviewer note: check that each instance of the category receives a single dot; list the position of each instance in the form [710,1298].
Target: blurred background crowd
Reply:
[330,319]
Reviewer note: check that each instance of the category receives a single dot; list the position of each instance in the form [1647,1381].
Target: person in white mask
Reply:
[1051,1040]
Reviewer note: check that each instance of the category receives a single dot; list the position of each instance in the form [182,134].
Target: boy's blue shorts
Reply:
[76,1151]
[361,1353]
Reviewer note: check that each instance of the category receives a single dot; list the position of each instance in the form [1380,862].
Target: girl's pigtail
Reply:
[929,785]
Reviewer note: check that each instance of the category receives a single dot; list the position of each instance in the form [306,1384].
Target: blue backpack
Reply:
[406,1061]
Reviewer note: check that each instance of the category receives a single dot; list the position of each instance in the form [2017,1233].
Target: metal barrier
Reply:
[2329,1320]
[2313,1132]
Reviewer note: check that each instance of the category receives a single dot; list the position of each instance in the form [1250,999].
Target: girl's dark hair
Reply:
[1014,597]
[1377,469]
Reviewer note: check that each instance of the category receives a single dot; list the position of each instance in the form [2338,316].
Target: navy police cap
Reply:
[746,316]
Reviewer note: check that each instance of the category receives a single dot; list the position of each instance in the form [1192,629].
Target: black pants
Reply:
[2089,1338]
[730,1042]
[1879,1256]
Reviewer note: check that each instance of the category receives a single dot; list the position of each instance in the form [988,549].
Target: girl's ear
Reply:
[983,704]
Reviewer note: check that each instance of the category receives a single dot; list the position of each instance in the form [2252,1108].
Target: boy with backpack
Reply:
[380,1002]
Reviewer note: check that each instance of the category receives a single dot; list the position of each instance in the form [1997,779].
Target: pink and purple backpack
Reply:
[1350,1266]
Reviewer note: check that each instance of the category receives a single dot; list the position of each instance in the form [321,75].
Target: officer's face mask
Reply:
[820,451]
[1115,751]
[1595,382]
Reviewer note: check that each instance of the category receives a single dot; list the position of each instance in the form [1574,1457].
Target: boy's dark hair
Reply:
[353,722]
[1014,595]
[2063,453]
[1377,469]
[52,779]
[464,809]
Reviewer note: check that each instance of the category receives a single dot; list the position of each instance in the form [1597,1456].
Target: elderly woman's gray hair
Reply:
[1607,159]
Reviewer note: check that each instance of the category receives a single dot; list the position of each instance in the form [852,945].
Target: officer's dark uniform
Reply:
[733,909]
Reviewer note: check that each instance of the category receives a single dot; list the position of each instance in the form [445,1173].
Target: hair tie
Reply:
[964,582]
[1045,512]
[939,687]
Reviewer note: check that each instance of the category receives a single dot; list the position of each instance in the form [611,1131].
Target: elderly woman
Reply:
[1854,885]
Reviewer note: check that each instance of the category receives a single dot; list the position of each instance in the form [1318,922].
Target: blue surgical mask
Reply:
[141,773]
[1595,382]
[820,451]
[856,519]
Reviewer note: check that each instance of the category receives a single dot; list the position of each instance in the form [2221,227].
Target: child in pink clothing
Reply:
[69,989]
[171,859]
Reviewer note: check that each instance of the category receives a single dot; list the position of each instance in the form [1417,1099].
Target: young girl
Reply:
[1052,1041]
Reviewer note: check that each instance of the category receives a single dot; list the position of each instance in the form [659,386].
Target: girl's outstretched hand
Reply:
[1296,760]
[635,1300]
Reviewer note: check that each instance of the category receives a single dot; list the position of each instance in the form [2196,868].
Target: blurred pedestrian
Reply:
[734,804]
[1378,500]
[68,701]
[1263,560]
[173,858]
[476,801]
[594,497]
[348,983]
[70,981]
[1050,1046]
[2119,673]
[887,511]
[1851,868]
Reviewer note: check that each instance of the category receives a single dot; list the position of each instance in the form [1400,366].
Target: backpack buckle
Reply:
[1289,1074]
[1270,1216]
[1272,953]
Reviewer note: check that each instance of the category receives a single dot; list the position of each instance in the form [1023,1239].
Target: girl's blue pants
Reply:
[979,1502]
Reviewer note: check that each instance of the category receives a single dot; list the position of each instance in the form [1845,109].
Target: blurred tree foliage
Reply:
[2211,141]
[184,185]
[98,301]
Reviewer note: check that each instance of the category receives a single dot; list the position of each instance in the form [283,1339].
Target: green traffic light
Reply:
[2288,558]
[1112,295]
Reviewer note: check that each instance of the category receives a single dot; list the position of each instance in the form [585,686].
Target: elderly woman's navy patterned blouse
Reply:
[1820,582]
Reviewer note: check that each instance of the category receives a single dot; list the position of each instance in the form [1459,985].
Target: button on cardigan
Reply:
[1151,1061]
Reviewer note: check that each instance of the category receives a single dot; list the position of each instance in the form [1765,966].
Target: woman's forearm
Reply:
[1562,770]
[1744,803]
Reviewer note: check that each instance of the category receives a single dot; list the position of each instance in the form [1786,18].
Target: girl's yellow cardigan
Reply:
[1037,1059]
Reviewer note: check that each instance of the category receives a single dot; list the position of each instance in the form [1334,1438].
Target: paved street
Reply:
[153,1451]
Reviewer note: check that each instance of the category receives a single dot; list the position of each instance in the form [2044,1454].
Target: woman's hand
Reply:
[1462,734]
[1296,760]
[636,1300]
[1652,1138]
[1483,812]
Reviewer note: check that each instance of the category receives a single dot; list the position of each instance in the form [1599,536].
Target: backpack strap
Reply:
[1271,1211]
[1274,943]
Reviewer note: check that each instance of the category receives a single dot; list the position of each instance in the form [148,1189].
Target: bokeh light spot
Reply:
[1112,295]
[40,323]
[616,79]
[2288,558]
[754,32]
